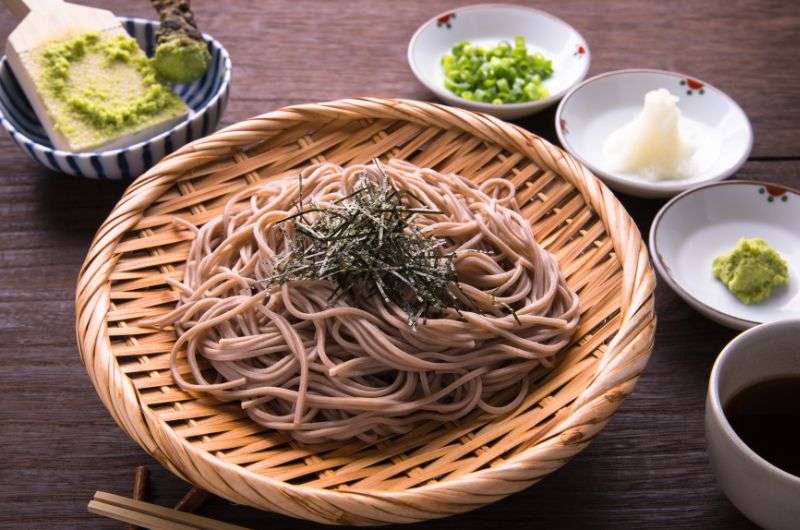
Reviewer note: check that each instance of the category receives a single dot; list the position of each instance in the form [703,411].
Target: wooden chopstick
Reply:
[134,517]
[193,500]
[152,516]
[140,488]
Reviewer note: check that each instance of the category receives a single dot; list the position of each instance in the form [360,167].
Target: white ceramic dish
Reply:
[600,105]
[766,494]
[702,223]
[488,24]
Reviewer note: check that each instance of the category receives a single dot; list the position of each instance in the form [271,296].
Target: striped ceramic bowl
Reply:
[206,98]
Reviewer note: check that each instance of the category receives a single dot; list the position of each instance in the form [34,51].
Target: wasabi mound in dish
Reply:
[752,270]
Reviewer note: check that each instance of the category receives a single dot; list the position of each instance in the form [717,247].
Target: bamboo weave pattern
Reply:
[436,470]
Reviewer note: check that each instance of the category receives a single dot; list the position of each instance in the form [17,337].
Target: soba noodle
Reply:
[323,369]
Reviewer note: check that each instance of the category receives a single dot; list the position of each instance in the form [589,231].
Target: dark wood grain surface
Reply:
[647,469]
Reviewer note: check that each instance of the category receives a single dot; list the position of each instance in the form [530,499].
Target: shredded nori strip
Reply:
[367,244]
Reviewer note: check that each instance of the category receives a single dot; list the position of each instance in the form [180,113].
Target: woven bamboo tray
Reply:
[436,470]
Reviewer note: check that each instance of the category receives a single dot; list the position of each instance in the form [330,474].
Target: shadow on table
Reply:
[73,208]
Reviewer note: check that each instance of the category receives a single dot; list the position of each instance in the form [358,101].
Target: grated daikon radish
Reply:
[651,145]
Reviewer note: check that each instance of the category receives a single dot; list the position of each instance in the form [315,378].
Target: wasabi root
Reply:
[181,52]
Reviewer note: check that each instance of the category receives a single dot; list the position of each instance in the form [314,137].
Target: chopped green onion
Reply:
[498,74]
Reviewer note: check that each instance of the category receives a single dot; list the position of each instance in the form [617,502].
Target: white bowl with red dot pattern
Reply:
[591,111]
[704,222]
[488,25]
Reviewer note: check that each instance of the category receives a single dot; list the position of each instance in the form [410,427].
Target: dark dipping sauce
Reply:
[766,416]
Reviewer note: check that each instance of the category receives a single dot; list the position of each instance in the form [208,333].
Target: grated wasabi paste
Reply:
[752,270]
[97,88]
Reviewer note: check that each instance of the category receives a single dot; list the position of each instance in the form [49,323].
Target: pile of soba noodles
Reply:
[323,367]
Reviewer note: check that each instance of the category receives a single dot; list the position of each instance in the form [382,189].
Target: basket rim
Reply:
[631,343]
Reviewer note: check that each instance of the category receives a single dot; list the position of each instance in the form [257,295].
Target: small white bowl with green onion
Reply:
[506,60]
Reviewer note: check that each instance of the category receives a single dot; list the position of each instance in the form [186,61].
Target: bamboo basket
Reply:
[436,470]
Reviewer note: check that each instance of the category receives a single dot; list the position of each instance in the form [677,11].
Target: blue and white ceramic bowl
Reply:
[206,99]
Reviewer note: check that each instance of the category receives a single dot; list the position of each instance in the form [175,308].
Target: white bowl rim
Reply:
[226,79]
[664,270]
[716,404]
[443,93]
[675,186]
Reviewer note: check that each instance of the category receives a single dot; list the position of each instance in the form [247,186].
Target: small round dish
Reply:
[704,222]
[600,105]
[206,99]
[489,24]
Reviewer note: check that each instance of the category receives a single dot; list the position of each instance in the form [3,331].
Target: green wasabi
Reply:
[181,52]
[752,270]
[181,60]
[98,87]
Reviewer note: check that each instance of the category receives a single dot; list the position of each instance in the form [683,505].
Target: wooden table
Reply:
[647,469]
